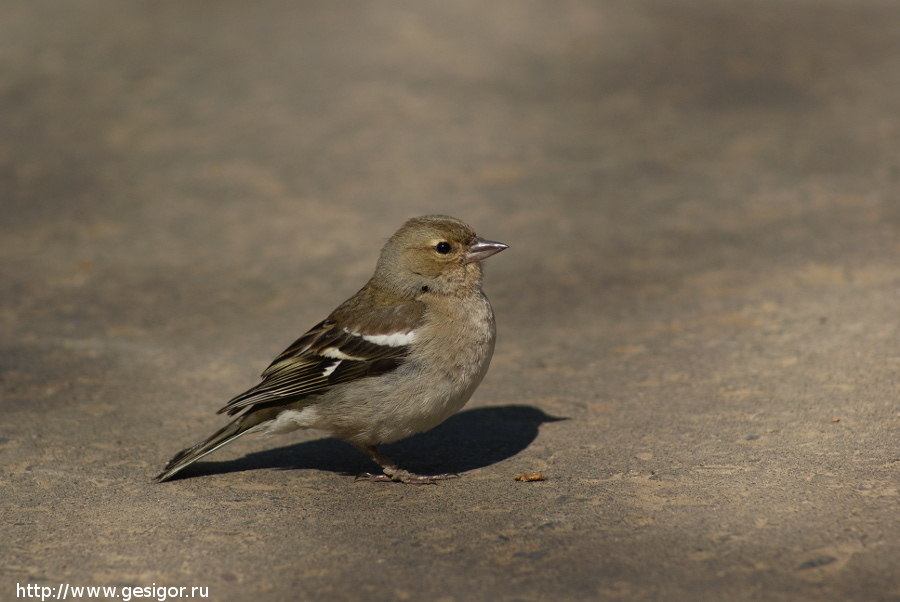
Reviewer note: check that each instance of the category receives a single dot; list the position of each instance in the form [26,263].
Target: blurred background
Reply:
[700,200]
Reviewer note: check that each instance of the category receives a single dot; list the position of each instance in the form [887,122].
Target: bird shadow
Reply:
[468,440]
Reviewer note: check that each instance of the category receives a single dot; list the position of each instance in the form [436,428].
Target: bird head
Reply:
[434,254]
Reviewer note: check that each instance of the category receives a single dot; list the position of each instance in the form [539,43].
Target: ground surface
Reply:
[703,279]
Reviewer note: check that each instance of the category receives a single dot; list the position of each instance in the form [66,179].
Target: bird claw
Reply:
[404,476]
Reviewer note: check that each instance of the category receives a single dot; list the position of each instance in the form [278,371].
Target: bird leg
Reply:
[392,472]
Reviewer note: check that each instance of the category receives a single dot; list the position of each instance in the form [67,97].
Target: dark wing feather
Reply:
[325,356]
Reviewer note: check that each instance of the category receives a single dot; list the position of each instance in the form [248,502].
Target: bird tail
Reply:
[234,429]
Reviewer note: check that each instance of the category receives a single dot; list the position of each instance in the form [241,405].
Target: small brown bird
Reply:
[398,358]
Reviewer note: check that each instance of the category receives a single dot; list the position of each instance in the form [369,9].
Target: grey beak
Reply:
[482,249]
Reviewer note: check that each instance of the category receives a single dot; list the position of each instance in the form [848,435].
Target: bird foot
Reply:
[404,476]
[392,472]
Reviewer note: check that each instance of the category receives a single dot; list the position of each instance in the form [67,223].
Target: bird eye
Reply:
[443,247]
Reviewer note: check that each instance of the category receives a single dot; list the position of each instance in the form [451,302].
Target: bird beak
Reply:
[482,249]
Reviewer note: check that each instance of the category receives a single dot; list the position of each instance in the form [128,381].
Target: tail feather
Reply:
[234,429]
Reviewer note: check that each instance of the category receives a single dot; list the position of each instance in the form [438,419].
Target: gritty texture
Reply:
[703,280]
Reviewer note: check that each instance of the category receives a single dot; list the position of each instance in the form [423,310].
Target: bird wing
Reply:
[328,355]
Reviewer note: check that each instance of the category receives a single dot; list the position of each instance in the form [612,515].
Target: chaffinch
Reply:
[397,358]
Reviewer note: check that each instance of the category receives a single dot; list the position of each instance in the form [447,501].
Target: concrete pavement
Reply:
[701,203]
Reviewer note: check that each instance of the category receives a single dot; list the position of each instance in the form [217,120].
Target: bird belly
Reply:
[412,400]
[439,376]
